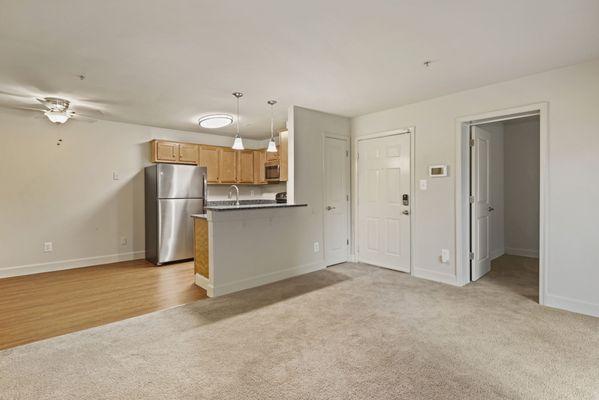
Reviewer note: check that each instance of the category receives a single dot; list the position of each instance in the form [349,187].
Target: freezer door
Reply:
[175,228]
[180,181]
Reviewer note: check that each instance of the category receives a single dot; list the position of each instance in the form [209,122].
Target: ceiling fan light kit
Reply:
[57,117]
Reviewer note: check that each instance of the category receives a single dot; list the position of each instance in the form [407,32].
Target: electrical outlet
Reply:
[423,184]
[48,247]
[444,255]
[123,241]
[115,176]
[252,193]
[316,247]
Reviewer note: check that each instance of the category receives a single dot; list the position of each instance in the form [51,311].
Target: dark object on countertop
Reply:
[281,197]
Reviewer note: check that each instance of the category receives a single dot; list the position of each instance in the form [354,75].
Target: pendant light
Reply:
[272,147]
[237,143]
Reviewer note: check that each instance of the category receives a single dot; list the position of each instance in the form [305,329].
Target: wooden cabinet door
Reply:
[283,155]
[245,166]
[166,151]
[272,156]
[227,163]
[209,158]
[259,162]
[188,153]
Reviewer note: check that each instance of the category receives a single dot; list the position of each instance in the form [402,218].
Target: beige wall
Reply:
[66,195]
[522,187]
[573,97]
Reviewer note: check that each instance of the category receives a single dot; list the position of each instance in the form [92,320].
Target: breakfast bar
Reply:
[247,245]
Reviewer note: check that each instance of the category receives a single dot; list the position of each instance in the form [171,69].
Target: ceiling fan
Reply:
[57,110]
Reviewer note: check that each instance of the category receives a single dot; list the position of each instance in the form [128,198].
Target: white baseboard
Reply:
[522,252]
[219,290]
[69,264]
[569,304]
[204,283]
[435,276]
[497,253]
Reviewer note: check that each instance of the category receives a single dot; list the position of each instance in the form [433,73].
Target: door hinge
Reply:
[348,242]
[358,156]
[346,153]
[347,197]
[471,199]
[471,142]
[471,256]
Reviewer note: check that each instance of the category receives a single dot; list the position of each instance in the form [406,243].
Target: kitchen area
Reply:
[224,208]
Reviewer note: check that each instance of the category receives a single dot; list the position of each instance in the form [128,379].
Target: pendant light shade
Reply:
[237,143]
[272,146]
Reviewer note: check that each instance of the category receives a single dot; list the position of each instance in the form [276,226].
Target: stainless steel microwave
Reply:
[272,171]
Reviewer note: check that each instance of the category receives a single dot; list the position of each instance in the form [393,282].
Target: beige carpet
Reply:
[349,332]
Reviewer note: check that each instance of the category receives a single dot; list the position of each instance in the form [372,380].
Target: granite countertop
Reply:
[253,206]
[229,205]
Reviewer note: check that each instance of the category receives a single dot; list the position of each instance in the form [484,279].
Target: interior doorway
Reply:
[501,208]
[336,192]
[384,193]
[504,182]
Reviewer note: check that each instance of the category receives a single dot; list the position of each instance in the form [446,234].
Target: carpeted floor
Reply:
[349,332]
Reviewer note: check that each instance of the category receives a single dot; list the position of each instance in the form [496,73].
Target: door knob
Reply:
[329,208]
[491,209]
[405,212]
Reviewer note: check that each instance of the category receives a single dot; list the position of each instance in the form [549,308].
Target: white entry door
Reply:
[336,156]
[384,200]
[480,210]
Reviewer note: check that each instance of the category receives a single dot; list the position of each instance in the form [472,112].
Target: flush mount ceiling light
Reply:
[215,121]
[272,147]
[237,143]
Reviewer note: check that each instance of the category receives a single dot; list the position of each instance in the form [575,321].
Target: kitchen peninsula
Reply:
[247,245]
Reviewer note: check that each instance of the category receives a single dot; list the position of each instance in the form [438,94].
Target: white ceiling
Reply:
[165,63]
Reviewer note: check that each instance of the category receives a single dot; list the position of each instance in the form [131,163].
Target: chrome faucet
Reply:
[236,193]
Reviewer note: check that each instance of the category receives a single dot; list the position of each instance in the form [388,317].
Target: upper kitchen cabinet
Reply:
[227,165]
[174,152]
[245,166]
[188,153]
[259,164]
[272,157]
[209,158]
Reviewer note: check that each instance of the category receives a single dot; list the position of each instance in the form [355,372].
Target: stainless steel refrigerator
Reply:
[173,193]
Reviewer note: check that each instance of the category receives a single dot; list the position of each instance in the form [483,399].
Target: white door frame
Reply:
[326,135]
[411,130]
[462,190]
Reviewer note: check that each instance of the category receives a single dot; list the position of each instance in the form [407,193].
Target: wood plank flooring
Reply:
[40,306]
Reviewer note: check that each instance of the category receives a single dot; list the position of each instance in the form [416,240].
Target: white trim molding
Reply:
[436,276]
[235,286]
[574,305]
[462,189]
[532,253]
[70,264]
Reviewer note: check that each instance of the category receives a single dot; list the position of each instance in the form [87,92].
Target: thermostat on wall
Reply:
[437,171]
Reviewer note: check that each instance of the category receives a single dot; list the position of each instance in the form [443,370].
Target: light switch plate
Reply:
[423,184]
[316,247]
